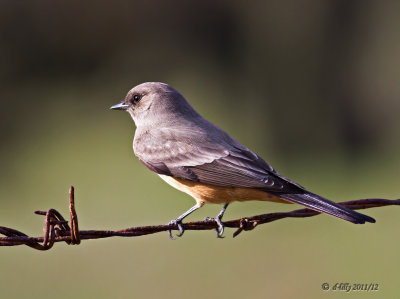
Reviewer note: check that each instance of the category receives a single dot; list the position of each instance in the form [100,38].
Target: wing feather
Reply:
[217,163]
[220,160]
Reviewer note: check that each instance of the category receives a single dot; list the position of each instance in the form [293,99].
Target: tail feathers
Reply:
[320,204]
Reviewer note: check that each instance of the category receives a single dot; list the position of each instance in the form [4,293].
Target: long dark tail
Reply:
[320,204]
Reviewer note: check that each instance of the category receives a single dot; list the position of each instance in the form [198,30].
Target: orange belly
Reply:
[205,193]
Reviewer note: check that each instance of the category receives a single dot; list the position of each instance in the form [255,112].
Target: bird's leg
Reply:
[178,221]
[217,219]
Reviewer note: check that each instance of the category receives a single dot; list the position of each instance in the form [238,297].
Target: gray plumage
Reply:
[173,139]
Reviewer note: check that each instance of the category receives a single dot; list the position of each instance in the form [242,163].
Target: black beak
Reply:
[120,106]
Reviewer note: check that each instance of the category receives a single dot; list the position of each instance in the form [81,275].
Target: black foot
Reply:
[220,230]
[177,222]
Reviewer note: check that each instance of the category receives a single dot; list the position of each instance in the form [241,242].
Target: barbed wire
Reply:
[56,228]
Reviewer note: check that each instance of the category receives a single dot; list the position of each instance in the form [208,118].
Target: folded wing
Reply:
[231,164]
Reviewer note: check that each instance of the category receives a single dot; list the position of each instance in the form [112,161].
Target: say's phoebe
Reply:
[196,157]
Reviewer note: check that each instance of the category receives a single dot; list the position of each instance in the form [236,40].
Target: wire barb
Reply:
[75,238]
[56,228]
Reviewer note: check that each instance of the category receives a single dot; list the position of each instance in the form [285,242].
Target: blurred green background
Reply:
[311,86]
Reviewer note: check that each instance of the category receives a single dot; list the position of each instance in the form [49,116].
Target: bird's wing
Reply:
[221,164]
[231,164]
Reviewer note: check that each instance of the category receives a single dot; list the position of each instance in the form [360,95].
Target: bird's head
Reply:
[155,103]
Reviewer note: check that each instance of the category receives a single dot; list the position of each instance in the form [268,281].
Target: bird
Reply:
[198,158]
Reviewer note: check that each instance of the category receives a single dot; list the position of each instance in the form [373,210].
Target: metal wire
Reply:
[56,228]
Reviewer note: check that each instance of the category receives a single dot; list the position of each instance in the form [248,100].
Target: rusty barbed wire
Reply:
[56,228]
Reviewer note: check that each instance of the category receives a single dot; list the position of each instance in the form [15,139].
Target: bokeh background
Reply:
[311,86]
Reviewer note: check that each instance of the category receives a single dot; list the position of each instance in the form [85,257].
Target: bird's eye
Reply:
[136,97]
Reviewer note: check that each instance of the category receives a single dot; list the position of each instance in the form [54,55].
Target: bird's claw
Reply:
[178,223]
[220,230]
